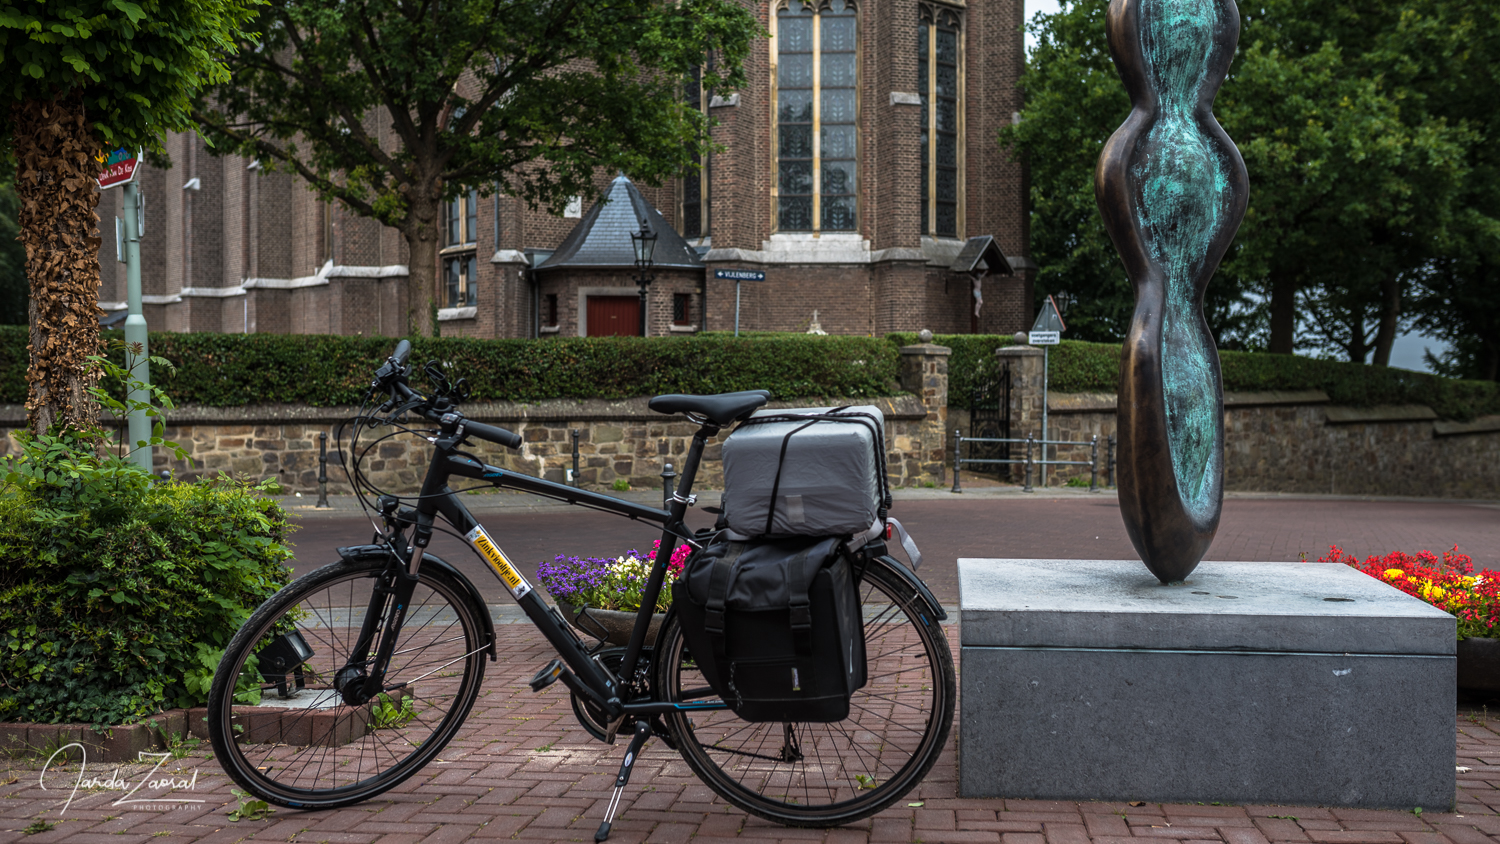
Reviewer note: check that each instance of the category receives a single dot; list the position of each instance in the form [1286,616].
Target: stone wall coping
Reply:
[1018,351]
[904,406]
[926,349]
[1381,413]
[1482,425]
[1106,402]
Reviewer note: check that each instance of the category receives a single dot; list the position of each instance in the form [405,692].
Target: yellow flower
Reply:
[1394,574]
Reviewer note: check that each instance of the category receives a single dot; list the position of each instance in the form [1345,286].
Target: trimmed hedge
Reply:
[1076,367]
[224,370]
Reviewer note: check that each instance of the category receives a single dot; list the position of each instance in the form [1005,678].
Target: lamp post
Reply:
[645,245]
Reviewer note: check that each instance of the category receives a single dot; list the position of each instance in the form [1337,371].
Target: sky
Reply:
[1405,354]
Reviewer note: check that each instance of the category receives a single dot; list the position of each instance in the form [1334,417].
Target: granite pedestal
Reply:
[1296,683]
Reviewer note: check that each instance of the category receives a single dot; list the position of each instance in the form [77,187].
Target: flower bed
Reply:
[1450,584]
[609,583]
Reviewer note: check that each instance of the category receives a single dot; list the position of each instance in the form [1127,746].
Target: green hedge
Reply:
[233,369]
[117,594]
[1076,367]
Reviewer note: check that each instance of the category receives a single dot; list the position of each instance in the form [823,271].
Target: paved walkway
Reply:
[522,769]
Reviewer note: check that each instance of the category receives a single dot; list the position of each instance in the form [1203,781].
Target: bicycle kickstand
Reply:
[642,732]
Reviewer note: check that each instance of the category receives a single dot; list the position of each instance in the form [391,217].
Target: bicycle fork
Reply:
[642,732]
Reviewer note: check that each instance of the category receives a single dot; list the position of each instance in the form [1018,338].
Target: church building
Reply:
[861,189]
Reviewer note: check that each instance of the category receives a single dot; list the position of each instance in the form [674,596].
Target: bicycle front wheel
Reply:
[826,774]
[282,730]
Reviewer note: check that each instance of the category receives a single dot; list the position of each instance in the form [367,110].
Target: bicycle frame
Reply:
[583,674]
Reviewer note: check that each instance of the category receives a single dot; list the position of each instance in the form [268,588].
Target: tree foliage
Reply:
[1360,168]
[136,63]
[392,107]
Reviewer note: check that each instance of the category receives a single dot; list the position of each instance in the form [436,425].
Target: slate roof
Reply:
[981,250]
[602,237]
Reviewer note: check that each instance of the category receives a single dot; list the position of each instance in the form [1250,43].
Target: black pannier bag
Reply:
[775,627]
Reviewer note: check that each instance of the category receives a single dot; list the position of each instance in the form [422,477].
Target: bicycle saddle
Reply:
[719,409]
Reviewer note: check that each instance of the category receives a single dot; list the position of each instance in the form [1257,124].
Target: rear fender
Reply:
[916,583]
[355,553]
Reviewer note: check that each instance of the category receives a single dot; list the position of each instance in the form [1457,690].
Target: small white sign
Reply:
[1044,338]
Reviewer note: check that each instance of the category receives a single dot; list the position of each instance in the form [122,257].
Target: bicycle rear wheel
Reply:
[819,775]
[282,730]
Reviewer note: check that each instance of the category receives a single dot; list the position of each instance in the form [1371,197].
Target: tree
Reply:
[81,77]
[13,298]
[394,106]
[1354,175]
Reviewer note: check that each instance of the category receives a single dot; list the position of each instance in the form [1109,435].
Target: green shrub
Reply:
[1078,367]
[117,593]
[226,370]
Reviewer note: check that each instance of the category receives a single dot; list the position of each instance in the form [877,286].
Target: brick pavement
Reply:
[522,769]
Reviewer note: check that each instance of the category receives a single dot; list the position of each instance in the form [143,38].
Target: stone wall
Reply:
[622,439]
[1293,442]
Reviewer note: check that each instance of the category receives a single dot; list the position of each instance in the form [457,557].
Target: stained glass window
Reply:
[938,46]
[817,106]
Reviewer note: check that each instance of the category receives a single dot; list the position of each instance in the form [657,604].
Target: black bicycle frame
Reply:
[587,677]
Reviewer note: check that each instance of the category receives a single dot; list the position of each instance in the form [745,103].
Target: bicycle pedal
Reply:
[547,676]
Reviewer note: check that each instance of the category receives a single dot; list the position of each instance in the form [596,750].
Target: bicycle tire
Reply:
[897,726]
[312,751]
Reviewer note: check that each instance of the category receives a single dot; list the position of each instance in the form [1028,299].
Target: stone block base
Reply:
[1250,683]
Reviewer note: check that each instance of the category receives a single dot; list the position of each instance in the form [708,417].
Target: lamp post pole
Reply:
[644,243]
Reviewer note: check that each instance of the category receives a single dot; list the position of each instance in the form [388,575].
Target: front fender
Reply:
[476,601]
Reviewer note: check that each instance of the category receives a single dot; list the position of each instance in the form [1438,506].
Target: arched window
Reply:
[817,109]
[940,81]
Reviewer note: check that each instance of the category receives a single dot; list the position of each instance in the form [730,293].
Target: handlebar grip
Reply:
[493,433]
[403,351]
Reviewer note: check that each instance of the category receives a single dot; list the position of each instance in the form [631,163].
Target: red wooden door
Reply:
[614,316]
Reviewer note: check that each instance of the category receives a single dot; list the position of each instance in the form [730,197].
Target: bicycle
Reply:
[353,677]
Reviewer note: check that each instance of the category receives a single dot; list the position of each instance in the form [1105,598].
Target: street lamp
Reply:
[645,244]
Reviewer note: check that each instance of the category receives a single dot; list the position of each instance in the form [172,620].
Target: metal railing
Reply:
[1032,460]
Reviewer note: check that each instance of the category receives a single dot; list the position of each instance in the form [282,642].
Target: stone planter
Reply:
[1479,664]
[613,626]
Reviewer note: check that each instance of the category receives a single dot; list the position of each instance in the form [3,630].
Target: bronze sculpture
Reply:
[1172,189]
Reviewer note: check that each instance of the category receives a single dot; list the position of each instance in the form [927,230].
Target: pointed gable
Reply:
[602,237]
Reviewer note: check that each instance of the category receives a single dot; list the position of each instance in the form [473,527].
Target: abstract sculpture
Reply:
[1172,189]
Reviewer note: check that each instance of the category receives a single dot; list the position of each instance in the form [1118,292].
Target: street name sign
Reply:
[740,275]
[119,168]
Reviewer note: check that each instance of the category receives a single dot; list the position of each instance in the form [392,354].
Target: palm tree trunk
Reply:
[56,153]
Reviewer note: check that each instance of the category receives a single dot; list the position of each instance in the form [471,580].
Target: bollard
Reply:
[668,486]
[322,471]
[958,440]
[1109,461]
[574,479]
[1094,464]
[1027,487]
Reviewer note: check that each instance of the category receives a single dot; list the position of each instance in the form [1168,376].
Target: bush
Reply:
[118,594]
[225,370]
[1077,367]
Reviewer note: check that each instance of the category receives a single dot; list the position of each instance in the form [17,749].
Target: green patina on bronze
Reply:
[1172,189]
[1183,186]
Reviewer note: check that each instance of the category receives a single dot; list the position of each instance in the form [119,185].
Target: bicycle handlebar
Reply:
[392,376]
[492,433]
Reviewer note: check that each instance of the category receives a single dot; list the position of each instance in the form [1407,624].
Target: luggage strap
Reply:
[801,572]
[837,414]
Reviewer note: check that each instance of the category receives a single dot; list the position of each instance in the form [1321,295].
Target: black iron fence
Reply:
[1036,455]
